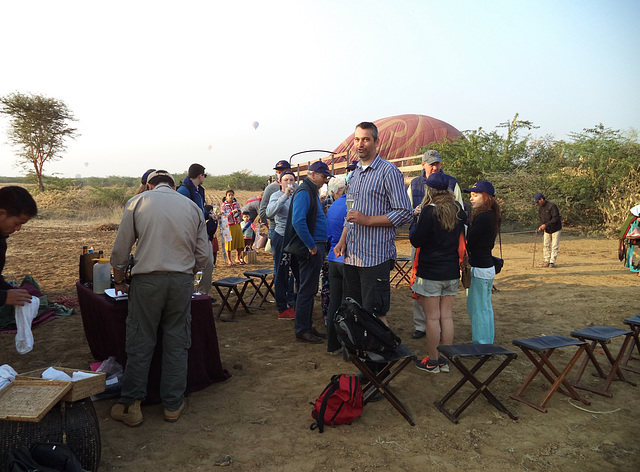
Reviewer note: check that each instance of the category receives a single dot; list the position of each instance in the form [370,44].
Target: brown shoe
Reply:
[309,337]
[130,415]
[173,416]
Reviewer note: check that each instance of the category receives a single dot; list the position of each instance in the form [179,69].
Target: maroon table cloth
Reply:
[104,322]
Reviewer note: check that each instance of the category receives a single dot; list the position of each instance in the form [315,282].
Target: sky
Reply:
[166,84]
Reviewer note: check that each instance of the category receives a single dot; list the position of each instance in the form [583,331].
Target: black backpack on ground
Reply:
[43,457]
[362,333]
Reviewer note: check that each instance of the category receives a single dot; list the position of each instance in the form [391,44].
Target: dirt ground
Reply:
[261,415]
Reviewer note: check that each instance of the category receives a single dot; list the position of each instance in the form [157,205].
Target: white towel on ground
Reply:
[24,316]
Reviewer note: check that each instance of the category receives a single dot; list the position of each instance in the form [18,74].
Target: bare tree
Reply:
[38,127]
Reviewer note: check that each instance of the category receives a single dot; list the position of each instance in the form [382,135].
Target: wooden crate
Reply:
[80,388]
[30,399]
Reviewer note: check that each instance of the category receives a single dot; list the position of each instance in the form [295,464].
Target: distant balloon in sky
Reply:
[210,147]
[255,125]
[86,164]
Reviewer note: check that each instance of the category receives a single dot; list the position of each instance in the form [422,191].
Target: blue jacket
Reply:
[300,207]
[335,222]
[196,194]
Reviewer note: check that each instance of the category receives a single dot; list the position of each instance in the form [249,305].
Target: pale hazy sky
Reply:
[154,84]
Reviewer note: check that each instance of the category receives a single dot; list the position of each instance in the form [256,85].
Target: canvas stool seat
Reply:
[602,335]
[261,274]
[373,382]
[482,352]
[634,325]
[402,272]
[539,351]
[231,284]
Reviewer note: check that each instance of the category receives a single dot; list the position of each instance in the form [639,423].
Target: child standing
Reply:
[247,229]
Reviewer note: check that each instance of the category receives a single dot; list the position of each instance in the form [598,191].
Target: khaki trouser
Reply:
[550,246]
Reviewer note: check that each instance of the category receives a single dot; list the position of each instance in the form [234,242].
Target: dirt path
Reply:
[261,416]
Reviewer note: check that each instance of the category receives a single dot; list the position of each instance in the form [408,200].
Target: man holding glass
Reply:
[380,205]
[171,246]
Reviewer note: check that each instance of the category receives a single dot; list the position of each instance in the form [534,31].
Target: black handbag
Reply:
[498,262]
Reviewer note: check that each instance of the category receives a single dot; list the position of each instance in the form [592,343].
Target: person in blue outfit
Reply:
[335,221]
[192,186]
[307,232]
[481,236]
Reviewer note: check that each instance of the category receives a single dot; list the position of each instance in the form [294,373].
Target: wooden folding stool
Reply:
[372,383]
[231,284]
[481,352]
[634,325]
[544,347]
[602,335]
[261,274]
[402,273]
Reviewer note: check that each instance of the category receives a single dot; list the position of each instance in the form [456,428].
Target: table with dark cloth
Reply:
[105,328]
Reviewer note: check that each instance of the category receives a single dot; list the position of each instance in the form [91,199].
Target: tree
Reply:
[38,127]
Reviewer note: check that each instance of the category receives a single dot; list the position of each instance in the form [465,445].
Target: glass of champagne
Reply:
[196,281]
[350,202]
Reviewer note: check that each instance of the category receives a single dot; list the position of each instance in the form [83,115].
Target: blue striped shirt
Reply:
[376,190]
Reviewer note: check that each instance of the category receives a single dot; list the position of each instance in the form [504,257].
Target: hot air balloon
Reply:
[255,125]
[86,164]
[210,147]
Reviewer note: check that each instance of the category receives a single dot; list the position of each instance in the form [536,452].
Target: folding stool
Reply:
[231,283]
[262,274]
[602,335]
[373,382]
[482,352]
[634,325]
[544,347]
[401,271]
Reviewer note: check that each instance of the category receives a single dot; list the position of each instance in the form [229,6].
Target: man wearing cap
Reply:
[431,164]
[305,238]
[270,189]
[551,223]
[368,241]
[171,246]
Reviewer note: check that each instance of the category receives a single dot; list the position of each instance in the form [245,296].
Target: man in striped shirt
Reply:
[381,204]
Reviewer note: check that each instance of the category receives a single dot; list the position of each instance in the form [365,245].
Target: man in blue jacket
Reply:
[192,189]
[306,237]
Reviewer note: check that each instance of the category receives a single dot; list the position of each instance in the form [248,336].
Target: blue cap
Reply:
[352,165]
[321,168]
[438,181]
[282,165]
[537,197]
[482,186]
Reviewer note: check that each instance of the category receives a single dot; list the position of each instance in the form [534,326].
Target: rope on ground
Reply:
[591,411]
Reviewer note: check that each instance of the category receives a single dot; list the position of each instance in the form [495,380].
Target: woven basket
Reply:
[74,424]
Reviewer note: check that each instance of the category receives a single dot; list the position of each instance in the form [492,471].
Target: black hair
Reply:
[195,170]
[17,201]
[371,126]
